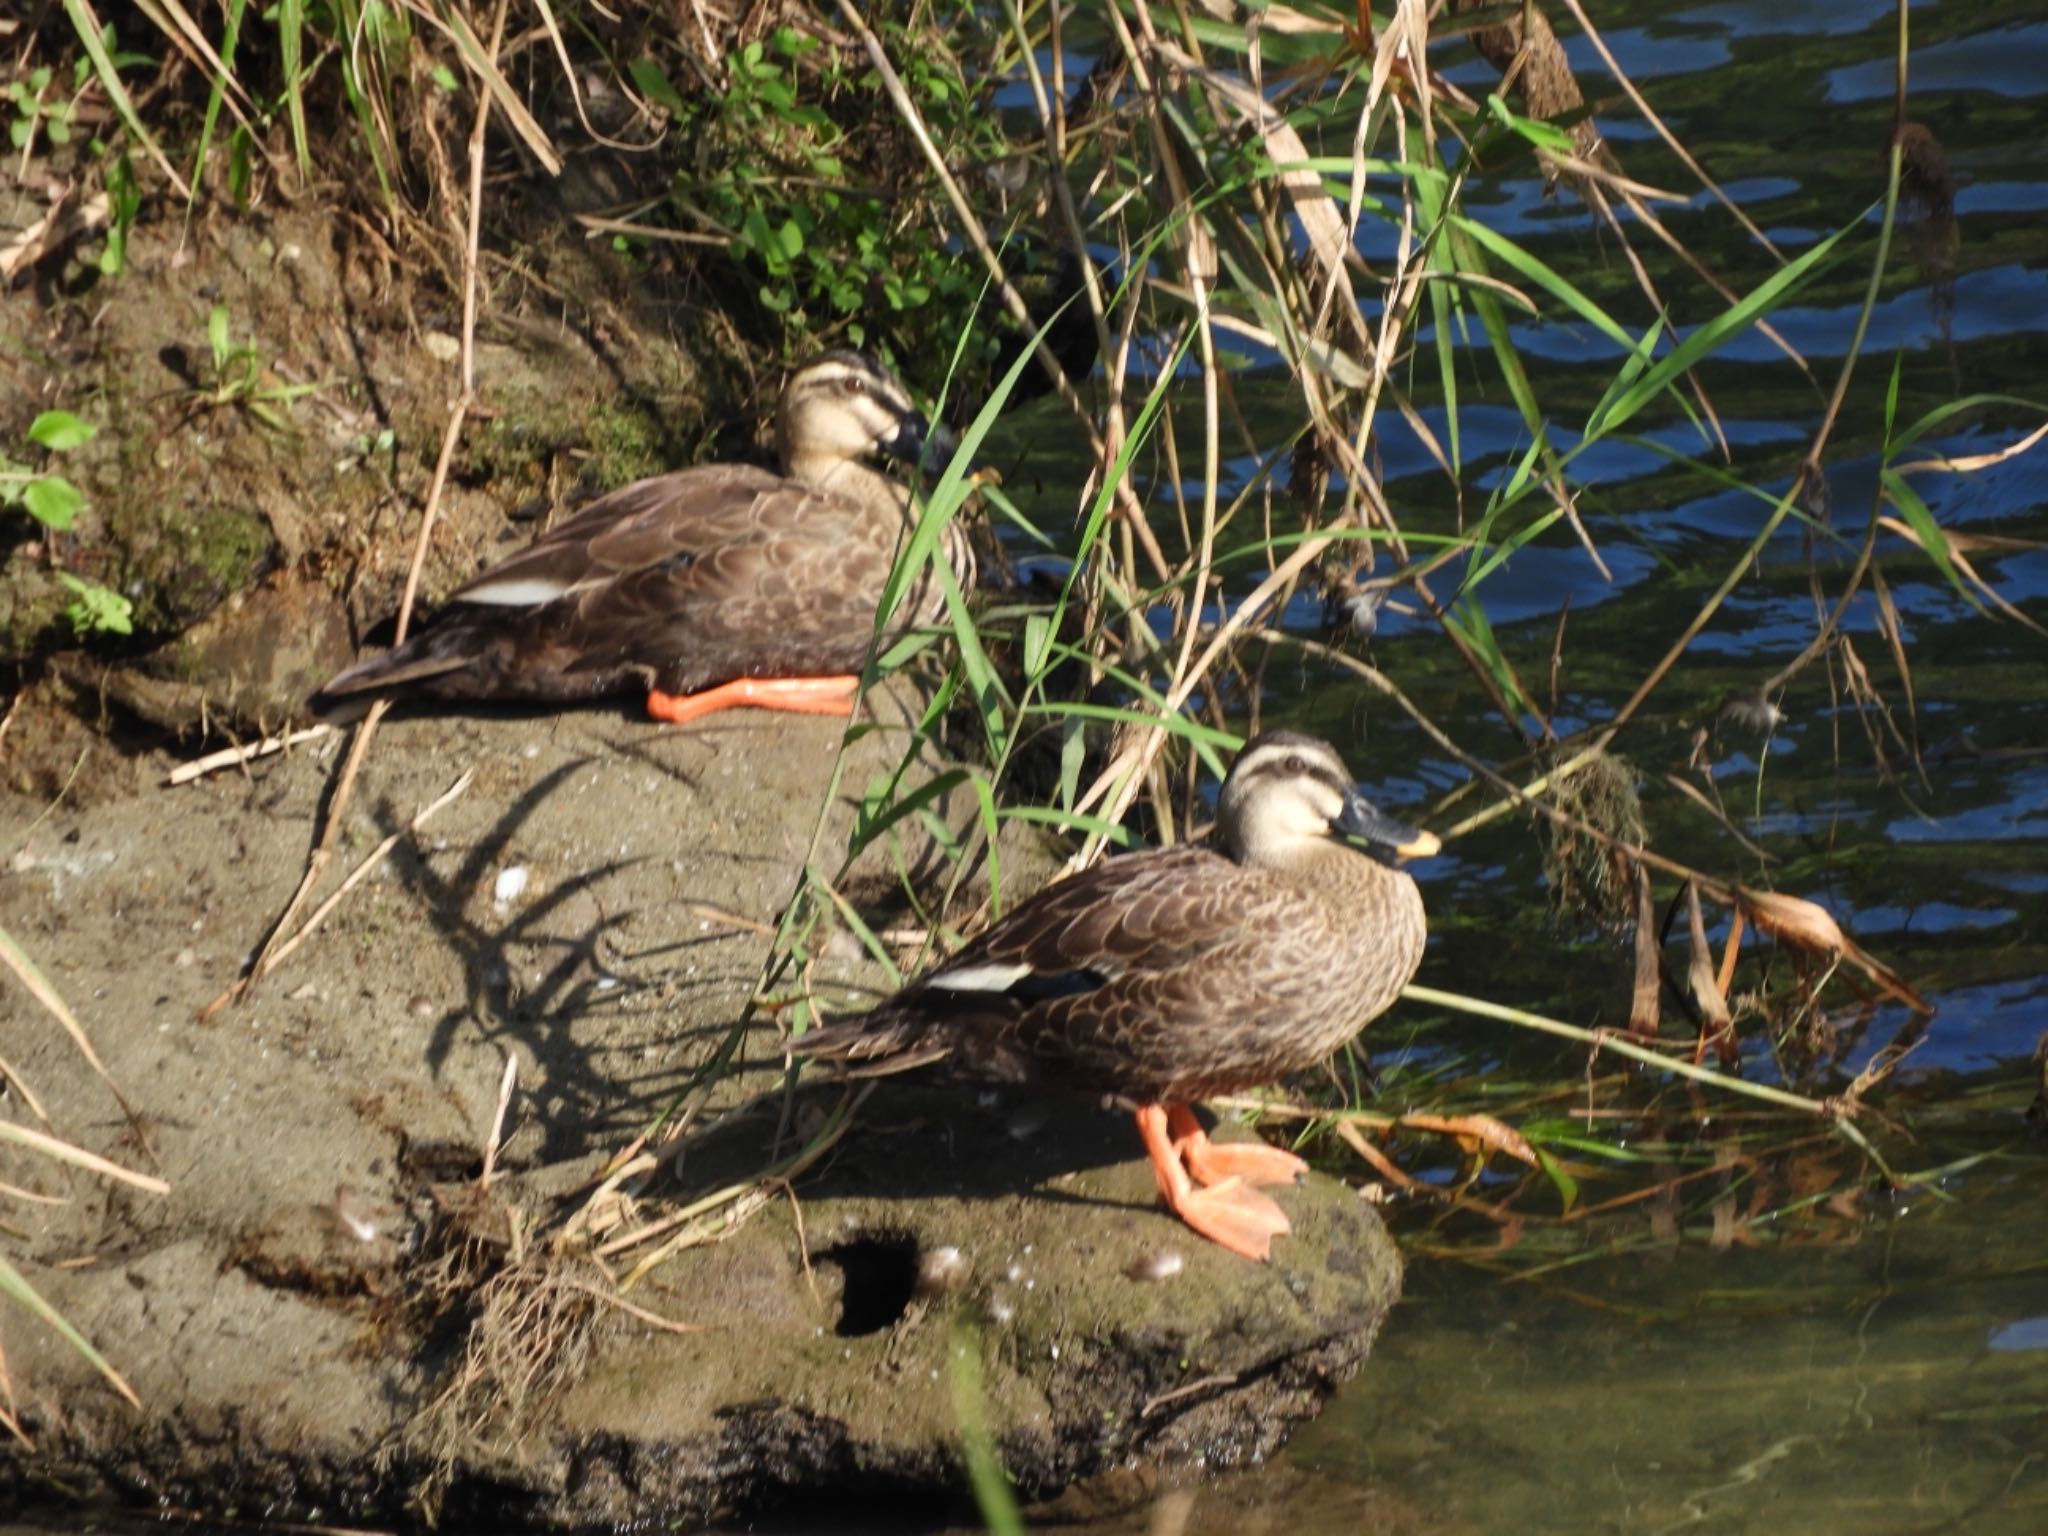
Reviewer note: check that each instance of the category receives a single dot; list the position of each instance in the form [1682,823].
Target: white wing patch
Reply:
[522,592]
[980,978]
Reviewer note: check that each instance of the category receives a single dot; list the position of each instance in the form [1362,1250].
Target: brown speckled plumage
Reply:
[700,576]
[1179,973]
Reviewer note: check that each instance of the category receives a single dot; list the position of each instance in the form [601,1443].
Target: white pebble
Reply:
[511,885]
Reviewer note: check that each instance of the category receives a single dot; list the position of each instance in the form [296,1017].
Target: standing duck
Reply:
[707,587]
[1176,974]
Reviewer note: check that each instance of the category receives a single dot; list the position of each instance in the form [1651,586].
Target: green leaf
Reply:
[1724,327]
[218,337]
[1567,1186]
[53,501]
[60,431]
[98,608]
[1932,539]
[1542,135]
[653,82]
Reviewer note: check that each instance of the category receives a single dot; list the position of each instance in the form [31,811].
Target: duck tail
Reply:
[876,1044]
[410,664]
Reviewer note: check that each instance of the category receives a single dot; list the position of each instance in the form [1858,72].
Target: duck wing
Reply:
[1121,979]
[679,581]
[648,525]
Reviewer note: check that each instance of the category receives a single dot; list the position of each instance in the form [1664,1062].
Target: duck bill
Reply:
[1383,837]
[917,441]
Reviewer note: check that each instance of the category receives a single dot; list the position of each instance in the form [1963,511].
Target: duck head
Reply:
[1288,795]
[842,406]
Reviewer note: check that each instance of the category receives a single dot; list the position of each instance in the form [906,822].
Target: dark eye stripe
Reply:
[1278,762]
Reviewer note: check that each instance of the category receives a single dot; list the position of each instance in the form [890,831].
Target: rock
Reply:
[246,666]
[325,1267]
[844,1376]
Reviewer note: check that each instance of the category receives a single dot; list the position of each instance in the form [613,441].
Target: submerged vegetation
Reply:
[1196,281]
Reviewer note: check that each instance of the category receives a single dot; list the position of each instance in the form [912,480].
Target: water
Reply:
[1756,1337]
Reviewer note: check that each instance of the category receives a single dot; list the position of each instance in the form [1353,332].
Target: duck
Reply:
[711,587]
[1164,977]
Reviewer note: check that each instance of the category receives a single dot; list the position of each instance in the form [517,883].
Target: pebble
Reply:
[1160,1264]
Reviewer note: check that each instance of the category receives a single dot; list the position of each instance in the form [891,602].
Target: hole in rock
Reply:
[880,1270]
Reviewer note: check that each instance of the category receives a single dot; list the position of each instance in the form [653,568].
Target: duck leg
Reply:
[1210,1162]
[796,695]
[1228,1211]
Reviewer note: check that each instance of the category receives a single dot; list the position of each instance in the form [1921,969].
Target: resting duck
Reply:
[1176,974]
[707,587]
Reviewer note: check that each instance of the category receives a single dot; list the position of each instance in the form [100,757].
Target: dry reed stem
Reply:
[1132,510]
[272,950]
[64,1151]
[30,975]
[505,1086]
[235,756]
[368,863]
[1378,1161]
[91,30]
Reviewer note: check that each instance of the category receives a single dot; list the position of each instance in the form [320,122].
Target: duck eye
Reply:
[1296,763]
[856,385]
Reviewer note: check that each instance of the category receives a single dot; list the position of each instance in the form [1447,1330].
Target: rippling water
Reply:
[1773,1348]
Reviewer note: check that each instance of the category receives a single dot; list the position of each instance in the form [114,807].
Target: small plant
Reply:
[124,201]
[240,378]
[786,167]
[50,499]
[55,502]
[32,112]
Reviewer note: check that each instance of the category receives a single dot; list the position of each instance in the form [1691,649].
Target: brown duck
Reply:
[1176,974]
[707,587]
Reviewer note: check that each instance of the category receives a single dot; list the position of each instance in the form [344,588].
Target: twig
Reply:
[505,1086]
[651,1319]
[1200,1384]
[361,872]
[229,757]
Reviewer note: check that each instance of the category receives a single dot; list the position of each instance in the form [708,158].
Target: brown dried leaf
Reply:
[1796,921]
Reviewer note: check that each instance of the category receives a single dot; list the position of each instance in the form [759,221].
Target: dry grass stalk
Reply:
[1646,1010]
[235,757]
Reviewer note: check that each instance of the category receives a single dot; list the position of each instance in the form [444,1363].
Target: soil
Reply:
[333,1314]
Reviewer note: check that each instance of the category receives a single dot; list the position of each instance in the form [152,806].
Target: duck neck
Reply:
[854,479]
[1341,876]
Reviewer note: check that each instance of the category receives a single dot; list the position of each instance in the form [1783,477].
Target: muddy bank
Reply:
[293,1312]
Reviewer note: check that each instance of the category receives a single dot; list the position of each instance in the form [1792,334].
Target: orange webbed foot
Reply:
[1228,1211]
[1236,1215]
[1210,1162]
[793,695]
